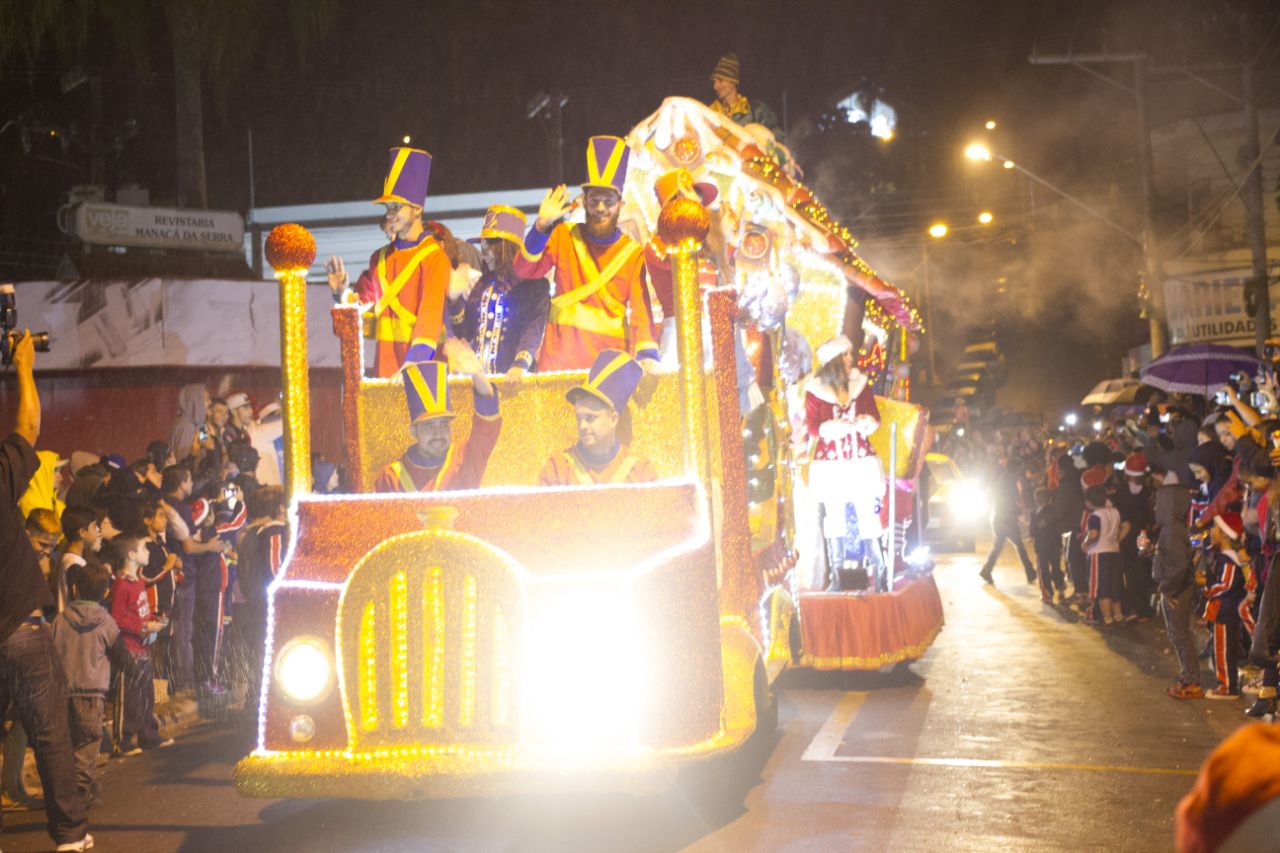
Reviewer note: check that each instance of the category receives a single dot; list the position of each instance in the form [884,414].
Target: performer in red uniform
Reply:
[434,463]
[598,458]
[676,183]
[840,412]
[407,279]
[600,283]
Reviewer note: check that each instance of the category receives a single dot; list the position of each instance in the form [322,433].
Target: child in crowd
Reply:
[1226,593]
[131,608]
[88,643]
[163,572]
[1102,544]
[1047,541]
[82,539]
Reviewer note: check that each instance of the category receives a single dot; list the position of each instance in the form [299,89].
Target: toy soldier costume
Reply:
[407,280]
[612,380]
[600,282]
[426,389]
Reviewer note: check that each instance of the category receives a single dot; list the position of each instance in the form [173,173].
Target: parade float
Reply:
[514,638]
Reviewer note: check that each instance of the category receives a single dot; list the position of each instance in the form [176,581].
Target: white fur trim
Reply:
[827,394]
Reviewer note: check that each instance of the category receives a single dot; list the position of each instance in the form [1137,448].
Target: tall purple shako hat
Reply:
[607,158]
[407,178]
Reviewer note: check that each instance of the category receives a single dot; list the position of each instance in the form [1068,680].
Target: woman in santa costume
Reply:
[840,412]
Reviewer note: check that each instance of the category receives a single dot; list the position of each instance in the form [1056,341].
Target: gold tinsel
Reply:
[290,247]
[683,219]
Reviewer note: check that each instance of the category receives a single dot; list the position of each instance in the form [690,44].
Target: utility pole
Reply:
[1152,276]
[558,101]
[1255,218]
[550,108]
[1152,283]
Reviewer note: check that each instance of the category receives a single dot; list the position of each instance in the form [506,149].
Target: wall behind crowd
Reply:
[122,410]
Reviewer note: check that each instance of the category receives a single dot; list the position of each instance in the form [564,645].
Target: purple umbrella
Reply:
[1197,368]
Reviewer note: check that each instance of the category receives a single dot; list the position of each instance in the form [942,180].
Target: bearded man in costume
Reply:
[434,463]
[600,299]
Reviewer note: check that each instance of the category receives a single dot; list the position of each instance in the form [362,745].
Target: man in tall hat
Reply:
[676,183]
[600,284]
[599,458]
[679,183]
[407,279]
[502,316]
[434,463]
[725,79]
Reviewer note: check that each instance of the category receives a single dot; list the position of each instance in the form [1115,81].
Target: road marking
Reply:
[824,745]
[829,738]
[1000,764]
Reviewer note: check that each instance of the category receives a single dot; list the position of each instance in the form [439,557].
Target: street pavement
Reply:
[1020,730]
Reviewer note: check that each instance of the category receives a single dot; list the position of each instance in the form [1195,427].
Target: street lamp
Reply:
[985,217]
[978,151]
[990,125]
[938,230]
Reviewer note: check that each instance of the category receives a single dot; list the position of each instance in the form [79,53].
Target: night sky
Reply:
[457,76]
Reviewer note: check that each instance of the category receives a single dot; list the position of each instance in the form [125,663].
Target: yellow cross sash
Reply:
[582,477]
[596,278]
[388,295]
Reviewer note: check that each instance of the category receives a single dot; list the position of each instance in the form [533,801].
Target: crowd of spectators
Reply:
[159,569]
[1167,507]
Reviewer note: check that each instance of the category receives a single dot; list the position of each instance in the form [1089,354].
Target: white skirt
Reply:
[849,481]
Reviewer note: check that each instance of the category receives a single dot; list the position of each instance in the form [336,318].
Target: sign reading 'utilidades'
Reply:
[160,227]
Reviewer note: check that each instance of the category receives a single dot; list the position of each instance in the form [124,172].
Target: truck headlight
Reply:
[304,670]
[968,502]
[582,666]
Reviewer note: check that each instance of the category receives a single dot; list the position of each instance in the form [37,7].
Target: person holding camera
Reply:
[31,674]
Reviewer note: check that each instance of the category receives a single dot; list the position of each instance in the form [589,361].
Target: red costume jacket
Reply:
[463,467]
[838,440]
[407,284]
[600,297]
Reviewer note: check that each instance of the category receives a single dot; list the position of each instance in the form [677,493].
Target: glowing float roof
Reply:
[773,232]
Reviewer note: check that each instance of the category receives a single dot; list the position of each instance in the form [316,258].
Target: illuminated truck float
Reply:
[520,639]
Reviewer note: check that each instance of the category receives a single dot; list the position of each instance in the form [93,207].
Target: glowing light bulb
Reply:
[978,151]
[985,217]
[1008,164]
[938,230]
[406,139]
[1071,419]
[990,125]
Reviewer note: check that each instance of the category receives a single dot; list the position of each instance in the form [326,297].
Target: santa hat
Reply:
[1135,465]
[1235,804]
[1231,524]
[829,351]
[199,511]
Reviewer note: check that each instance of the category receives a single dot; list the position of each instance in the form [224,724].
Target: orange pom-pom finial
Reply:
[683,219]
[290,247]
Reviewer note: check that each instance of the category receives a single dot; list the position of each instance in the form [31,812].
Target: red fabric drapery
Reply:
[851,632]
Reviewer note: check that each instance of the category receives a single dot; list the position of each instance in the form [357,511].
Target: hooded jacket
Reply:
[1171,567]
[1175,455]
[191,415]
[40,493]
[88,642]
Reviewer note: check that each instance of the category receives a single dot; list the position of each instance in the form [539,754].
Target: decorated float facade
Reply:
[515,638]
